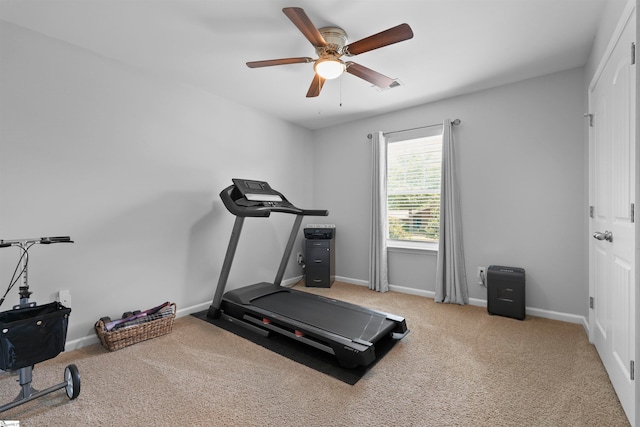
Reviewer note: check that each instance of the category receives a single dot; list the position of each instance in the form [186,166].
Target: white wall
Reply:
[130,166]
[521,152]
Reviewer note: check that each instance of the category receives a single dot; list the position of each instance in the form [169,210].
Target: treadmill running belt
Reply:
[324,314]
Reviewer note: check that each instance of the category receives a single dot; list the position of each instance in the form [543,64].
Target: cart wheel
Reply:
[72,377]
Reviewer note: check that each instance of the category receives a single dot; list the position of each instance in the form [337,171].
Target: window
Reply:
[414,164]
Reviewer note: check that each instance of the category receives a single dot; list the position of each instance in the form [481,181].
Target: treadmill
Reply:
[345,330]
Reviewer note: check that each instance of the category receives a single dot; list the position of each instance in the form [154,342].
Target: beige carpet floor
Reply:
[459,366]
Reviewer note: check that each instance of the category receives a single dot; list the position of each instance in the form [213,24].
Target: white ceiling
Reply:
[459,46]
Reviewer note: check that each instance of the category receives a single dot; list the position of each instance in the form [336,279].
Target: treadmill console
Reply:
[256,191]
[247,197]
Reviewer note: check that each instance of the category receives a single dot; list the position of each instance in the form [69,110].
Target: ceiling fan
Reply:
[331,44]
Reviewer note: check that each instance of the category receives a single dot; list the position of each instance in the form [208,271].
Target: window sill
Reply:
[412,247]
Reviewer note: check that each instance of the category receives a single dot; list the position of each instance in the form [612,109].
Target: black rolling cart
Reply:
[31,334]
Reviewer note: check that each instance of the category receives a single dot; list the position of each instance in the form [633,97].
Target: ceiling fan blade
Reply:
[283,61]
[393,35]
[316,86]
[369,75]
[304,24]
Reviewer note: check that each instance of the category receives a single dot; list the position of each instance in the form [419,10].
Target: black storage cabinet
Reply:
[320,257]
[506,291]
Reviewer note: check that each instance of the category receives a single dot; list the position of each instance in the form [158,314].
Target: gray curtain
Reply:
[451,279]
[378,273]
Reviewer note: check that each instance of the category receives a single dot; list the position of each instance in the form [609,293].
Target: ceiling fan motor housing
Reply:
[336,39]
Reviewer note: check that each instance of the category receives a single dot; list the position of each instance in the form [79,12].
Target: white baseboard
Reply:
[539,312]
[352,281]
[547,314]
[532,311]
[81,342]
[287,283]
[412,291]
[93,339]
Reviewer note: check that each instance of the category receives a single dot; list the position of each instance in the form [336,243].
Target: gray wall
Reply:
[130,166]
[521,154]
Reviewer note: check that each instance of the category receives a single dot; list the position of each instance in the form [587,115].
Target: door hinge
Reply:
[591,211]
[633,212]
[633,53]
[631,370]
[590,117]
[590,302]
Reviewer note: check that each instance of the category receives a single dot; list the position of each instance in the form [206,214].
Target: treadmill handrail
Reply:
[264,211]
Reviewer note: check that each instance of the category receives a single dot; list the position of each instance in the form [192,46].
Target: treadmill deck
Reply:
[326,315]
[330,315]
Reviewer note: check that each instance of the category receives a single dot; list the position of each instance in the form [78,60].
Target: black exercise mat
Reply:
[302,353]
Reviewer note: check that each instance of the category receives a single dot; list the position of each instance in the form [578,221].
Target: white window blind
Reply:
[413,188]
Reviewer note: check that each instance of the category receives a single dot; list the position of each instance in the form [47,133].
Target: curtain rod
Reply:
[454,122]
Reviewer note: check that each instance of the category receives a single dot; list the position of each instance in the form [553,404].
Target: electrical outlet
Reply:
[64,298]
[482,276]
[300,258]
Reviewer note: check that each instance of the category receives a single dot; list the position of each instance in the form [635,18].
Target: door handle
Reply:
[607,235]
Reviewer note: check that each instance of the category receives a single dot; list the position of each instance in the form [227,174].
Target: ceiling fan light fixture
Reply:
[329,68]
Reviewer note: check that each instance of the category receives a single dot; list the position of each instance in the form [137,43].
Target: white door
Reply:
[612,227]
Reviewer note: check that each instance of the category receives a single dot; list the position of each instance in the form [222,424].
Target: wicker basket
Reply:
[121,338]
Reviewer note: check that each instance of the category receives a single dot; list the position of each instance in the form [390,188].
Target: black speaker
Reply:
[506,291]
